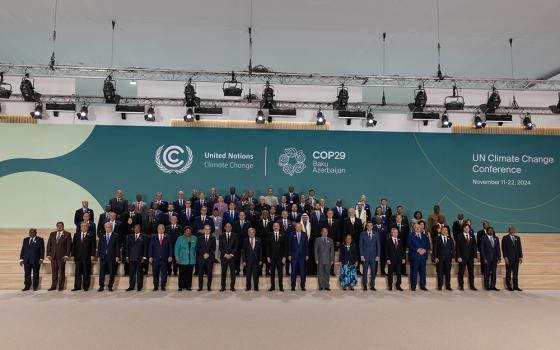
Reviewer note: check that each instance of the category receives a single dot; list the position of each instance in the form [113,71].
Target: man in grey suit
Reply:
[370,247]
[324,257]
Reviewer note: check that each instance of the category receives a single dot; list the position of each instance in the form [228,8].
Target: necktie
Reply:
[491,241]
[444,240]
[468,237]
[160,240]
[298,236]
[325,240]
[276,236]
[107,238]
[227,236]
[83,236]
[30,241]
[513,239]
[340,211]
[330,222]
[399,226]
[241,222]
[252,243]
[284,223]
[206,239]
[369,234]
[138,205]
[395,241]
[57,236]
[137,235]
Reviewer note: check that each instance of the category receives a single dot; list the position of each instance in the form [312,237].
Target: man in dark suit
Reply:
[231,197]
[298,254]
[129,219]
[385,209]
[165,218]
[400,211]
[149,226]
[291,196]
[31,257]
[370,252]
[186,216]
[136,254]
[79,214]
[240,227]
[201,221]
[479,235]
[202,202]
[381,231]
[353,226]
[457,227]
[263,227]
[179,203]
[513,256]
[103,218]
[59,249]
[276,252]
[340,213]
[252,214]
[395,253]
[465,254]
[160,202]
[205,250]
[231,215]
[160,255]
[491,255]
[173,231]
[418,249]
[251,254]
[118,204]
[229,242]
[294,215]
[304,206]
[332,226]
[283,205]
[84,250]
[108,252]
[404,230]
[443,253]
[140,207]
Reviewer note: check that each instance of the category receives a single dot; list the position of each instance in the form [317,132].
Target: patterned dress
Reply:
[348,275]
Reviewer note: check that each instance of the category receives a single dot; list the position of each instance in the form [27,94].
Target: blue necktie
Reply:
[107,238]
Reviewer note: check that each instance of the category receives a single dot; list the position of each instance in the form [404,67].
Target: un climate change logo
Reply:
[285,161]
[172,159]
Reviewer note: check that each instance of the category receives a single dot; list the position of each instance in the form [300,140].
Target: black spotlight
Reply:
[38,112]
[370,121]
[454,102]
[189,117]
[341,98]
[420,99]
[28,90]
[110,91]
[494,101]
[5,88]
[83,113]
[150,116]
[232,88]
[267,101]
[528,123]
[445,123]
[321,118]
[260,117]
[190,95]
[556,108]
[478,123]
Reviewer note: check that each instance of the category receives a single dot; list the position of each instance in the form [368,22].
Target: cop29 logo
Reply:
[290,167]
[174,159]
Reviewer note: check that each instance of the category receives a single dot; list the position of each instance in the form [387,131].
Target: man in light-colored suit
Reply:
[324,257]
[370,247]
[140,207]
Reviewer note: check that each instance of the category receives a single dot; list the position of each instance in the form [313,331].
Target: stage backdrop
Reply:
[47,170]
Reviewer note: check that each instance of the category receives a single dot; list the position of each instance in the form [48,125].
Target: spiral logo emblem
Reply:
[285,161]
[173,159]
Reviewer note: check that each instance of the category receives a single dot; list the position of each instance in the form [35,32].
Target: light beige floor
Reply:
[292,320]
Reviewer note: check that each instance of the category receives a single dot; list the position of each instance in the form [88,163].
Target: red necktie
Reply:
[138,206]
[160,240]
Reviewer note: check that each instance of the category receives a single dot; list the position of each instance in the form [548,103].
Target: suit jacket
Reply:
[162,206]
[118,207]
[250,255]
[298,250]
[293,214]
[403,232]
[466,251]
[316,223]
[340,213]
[136,249]
[109,250]
[150,227]
[199,204]
[381,231]
[283,206]
[285,229]
[291,198]
[370,248]
[174,233]
[202,247]
[261,229]
[324,251]
[228,247]
[334,232]
[276,250]
[415,243]
[84,250]
[231,198]
[348,255]
[143,210]
[179,205]
[127,228]
[227,218]
[304,208]
[242,232]
[199,224]
[355,230]
[79,215]
[488,252]
[32,252]
[457,229]
[165,218]
[395,253]
[187,220]
[60,249]
[160,252]
[444,252]
[512,251]
[388,213]
[103,218]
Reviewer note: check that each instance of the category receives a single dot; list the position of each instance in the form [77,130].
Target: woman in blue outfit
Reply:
[348,260]
[185,254]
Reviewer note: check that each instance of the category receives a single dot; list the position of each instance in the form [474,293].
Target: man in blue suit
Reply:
[491,256]
[205,250]
[108,251]
[231,215]
[252,259]
[298,255]
[160,254]
[31,257]
[370,248]
[202,220]
[418,248]
[382,234]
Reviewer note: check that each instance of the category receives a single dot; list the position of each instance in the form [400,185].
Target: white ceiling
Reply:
[322,36]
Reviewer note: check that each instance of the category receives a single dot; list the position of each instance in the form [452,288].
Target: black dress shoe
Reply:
[303,289]
[495,289]
[320,288]
[364,288]
[424,289]
[199,289]
[232,289]
[35,289]
[438,288]
[461,288]
[390,288]
[281,289]
[222,289]
[413,289]
[155,289]
[518,289]
[256,289]
[25,289]
[75,289]
[129,289]
[510,289]
[51,289]
[209,289]
[473,288]
[86,289]
[60,289]
[179,289]
[333,274]
[110,289]
[101,289]
[372,288]
[293,289]
[163,289]
[328,289]
[448,288]
[139,289]
[399,289]
[404,274]
[247,289]
[271,289]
